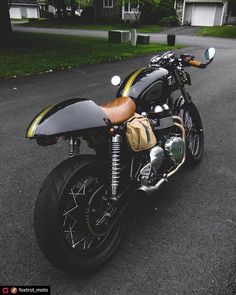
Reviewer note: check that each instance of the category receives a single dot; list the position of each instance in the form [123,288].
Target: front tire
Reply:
[61,217]
[194,132]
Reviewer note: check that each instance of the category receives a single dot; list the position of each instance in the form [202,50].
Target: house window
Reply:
[107,3]
[233,9]
[131,7]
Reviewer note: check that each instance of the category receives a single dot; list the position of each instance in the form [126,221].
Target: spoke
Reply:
[66,217]
[71,216]
[72,239]
[85,243]
[106,214]
[81,192]
[74,228]
[70,231]
[74,245]
[191,143]
[73,231]
[67,212]
[73,195]
[196,143]
[65,220]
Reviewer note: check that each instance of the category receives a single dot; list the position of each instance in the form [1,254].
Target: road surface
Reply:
[189,40]
[180,241]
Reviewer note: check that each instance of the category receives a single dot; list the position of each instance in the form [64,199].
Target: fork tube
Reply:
[182,88]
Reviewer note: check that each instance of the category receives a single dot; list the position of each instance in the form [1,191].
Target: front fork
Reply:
[185,94]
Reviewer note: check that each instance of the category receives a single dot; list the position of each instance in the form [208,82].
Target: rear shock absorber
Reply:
[74,146]
[115,163]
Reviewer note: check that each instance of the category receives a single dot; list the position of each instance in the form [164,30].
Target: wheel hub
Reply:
[99,214]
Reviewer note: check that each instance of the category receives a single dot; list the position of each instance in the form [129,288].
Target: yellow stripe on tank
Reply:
[130,82]
[35,123]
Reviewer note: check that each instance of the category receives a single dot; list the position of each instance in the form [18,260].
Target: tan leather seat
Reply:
[119,109]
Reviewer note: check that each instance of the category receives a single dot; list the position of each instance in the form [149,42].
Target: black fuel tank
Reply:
[146,86]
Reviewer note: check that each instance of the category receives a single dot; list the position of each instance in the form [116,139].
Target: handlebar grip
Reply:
[196,64]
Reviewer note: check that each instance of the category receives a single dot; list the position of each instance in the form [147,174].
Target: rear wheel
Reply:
[74,224]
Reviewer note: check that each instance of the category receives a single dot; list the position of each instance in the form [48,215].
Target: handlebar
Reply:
[197,64]
[188,60]
[169,58]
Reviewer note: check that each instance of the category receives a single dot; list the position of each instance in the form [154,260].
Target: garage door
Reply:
[203,15]
[32,13]
[15,12]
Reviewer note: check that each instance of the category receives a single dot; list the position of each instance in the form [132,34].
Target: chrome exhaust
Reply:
[150,189]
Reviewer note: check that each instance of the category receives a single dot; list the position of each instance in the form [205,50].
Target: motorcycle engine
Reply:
[175,147]
[170,150]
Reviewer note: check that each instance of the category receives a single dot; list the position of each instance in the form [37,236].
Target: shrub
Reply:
[153,11]
[87,14]
[169,21]
[149,11]
[166,8]
[46,14]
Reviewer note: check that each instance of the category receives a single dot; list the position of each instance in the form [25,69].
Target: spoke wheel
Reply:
[194,132]
[72,201]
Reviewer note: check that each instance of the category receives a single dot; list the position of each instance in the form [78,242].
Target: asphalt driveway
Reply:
[181,38]
[180,241]
[182,30]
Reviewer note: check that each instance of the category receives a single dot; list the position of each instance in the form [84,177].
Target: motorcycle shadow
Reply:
[143,204]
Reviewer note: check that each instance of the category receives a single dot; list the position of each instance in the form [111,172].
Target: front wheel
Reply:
[71,216]
[194,132]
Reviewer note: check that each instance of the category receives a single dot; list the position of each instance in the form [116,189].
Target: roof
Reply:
[23,2]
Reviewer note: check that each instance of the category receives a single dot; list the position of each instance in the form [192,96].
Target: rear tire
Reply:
[60,220]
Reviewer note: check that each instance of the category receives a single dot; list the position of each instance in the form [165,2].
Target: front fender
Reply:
[68,117]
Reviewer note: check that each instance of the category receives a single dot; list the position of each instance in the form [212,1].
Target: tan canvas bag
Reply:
[139,134]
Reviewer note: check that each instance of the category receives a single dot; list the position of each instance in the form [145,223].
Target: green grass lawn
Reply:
[70,24]
[37,53]
[228,31]
[19,19]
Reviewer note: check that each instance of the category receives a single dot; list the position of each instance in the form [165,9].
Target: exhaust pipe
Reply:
[151,189]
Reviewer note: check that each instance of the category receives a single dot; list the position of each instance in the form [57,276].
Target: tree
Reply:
[153,11]
[68,7]
[5,24]
[60,6]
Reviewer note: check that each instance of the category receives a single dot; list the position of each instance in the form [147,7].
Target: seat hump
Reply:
[119,109]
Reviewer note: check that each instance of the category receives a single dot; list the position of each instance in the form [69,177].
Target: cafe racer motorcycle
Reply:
[79,213]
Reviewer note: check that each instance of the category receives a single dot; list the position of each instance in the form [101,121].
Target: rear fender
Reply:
[70,117]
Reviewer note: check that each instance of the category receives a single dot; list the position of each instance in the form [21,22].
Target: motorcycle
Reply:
[140,138]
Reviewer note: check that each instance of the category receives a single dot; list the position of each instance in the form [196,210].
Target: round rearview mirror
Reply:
[115,80]
[210,53]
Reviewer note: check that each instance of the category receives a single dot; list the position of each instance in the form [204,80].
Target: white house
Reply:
[24,9]
[115,9]
[46,7]
[205,12]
